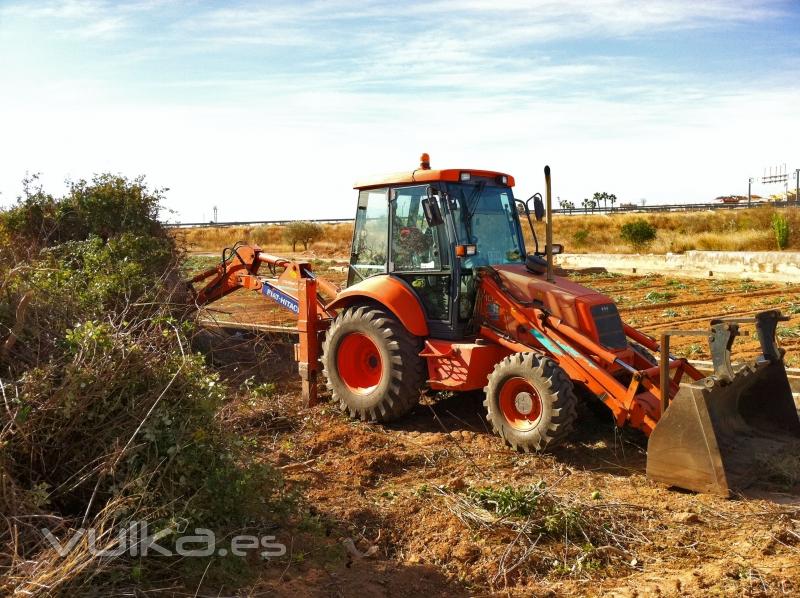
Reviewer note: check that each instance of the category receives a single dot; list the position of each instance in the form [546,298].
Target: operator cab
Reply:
[432,229]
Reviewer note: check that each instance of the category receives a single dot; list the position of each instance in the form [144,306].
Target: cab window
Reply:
[370,236]
[415,245]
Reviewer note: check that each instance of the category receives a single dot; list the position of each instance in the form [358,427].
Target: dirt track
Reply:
[395,488]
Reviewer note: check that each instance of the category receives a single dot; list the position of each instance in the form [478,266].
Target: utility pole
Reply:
[215,214]
[797,185]
[749,191]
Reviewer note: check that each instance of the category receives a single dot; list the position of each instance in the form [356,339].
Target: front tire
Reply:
[372,364]
[530,402]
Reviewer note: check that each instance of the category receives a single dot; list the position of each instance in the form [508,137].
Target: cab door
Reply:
[419,255]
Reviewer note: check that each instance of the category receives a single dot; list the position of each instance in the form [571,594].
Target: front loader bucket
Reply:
[723,432]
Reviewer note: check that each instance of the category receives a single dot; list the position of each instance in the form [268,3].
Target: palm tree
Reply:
[598,197]
[585,204]
[613,199]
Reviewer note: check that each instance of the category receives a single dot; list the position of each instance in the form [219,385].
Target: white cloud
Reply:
[285,136]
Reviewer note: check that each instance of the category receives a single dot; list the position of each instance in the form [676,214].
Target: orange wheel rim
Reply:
[520,404]
[359,363]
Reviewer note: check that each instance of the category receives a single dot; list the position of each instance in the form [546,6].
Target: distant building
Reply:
[731,198]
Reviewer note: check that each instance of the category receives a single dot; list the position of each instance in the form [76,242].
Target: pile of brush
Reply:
[107,417]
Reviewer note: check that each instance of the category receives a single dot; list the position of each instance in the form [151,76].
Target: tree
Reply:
[599,196]
[302,232]
[612,199]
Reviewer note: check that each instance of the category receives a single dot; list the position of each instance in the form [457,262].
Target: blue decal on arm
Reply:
[280,297]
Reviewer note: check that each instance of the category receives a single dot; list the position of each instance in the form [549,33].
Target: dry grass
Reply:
[719,230]
[270,237]
[551,534]
[712,230]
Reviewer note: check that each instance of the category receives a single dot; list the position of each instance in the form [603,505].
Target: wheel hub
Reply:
[520,403]
[359,363]
[524,403]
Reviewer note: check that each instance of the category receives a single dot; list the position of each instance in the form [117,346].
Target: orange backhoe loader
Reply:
[442,294]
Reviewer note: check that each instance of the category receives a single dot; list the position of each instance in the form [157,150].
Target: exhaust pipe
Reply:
[549,224]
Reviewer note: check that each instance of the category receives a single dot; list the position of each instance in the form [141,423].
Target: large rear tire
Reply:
[372,364]
[530,402]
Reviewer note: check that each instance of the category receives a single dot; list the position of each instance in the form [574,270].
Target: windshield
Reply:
[485,215]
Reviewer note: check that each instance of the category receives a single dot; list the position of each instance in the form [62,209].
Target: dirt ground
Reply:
[404,495]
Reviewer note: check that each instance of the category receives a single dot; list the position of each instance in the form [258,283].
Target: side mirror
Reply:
[556,248]
[430,207]
[538,207]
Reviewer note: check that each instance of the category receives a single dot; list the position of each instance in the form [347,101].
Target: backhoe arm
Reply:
[290,284]
[242,266]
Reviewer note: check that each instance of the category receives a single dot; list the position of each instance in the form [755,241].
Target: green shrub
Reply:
[638,233]
[108,415]
[109,205]
[780,225]
[580,237]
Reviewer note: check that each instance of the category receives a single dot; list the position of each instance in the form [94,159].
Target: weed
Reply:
[669,313]
[258,391]
[659,296]
[773,300]
[691,350]
[507,501]
[788,331]
[780,226]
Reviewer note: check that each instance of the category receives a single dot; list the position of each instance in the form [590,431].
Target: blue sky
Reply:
[273,109]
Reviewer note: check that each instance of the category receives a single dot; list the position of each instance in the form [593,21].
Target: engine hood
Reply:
[558,296]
